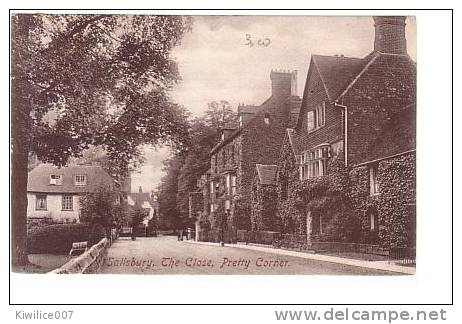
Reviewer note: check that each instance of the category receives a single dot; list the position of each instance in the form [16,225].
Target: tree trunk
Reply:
[20,135]
[20,152]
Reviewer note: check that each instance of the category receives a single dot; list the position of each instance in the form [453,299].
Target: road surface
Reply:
[165,255]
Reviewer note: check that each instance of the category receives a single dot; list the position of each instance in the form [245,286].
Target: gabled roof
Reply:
[140,197]
[256,110]
[39,179]
[267,174]
[337,72]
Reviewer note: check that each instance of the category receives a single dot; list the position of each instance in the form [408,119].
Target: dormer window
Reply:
[56,179]
[316,118]
[267,119]
[80,180]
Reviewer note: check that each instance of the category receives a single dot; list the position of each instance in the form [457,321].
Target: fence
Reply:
[341,247]
[402,255]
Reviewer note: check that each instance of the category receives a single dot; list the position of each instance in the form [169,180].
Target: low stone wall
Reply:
[88,262]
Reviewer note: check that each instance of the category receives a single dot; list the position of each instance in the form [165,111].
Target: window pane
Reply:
[67,203]
[310,120]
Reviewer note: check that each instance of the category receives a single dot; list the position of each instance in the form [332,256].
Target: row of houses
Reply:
[53,193]
[337,164]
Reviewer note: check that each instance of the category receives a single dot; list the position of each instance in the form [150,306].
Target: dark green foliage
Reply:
[97,233]
[187,166]
[242,210]
[394,204]
[56,239]
[101,207]
[80,80]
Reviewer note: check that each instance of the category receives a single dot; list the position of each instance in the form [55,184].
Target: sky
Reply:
[217,62]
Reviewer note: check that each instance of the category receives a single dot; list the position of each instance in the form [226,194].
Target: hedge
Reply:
[56,239]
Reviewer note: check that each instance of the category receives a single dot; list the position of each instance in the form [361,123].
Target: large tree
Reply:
[81,80]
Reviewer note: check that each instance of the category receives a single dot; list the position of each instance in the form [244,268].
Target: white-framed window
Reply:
[228,184]
[373,183]
[80,180]
[233,185]
[67,202]
[313,163]
[40,202]
[56,179]
[227,204]
[316,118]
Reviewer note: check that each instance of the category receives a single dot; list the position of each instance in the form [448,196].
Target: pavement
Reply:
[377,265]
[166,255]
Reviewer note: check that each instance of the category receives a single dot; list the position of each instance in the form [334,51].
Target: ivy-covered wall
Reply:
[264,204]
[394,205]
[290,219]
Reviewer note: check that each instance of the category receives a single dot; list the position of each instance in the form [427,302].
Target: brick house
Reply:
[255,139]
[347,169]
[54,193]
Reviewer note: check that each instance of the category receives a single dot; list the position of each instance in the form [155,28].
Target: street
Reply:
[165,255]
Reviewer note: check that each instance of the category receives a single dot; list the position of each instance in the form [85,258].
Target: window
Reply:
[267,119]
[80,180]
[67,202]
[233,184]
[227,205]
[373,183]
[314,163]
[41,202]
[56,179]
[373,222]
[212,190]
[373,219]
[228,184]
[240,121]
[316,118]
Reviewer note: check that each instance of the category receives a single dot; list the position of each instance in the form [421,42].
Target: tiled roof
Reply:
[398,135]
[337,72]
[267,174]
[39,179]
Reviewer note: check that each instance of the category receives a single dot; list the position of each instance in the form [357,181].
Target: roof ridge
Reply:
[363,70]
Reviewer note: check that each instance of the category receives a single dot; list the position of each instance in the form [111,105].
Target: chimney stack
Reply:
[283,83]
[390,34]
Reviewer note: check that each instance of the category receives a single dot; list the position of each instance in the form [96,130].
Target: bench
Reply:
[78,248]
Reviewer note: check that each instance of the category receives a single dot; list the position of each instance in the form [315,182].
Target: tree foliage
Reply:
[190,164]
[81,80]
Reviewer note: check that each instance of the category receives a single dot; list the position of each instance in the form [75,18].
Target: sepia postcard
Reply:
[162,144]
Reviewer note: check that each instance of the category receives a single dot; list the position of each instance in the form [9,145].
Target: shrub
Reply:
[56,239]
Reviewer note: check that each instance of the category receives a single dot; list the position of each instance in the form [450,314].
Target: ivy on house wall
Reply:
[264,207]
[396,179]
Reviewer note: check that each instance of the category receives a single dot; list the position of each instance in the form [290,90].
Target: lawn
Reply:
[46,262]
